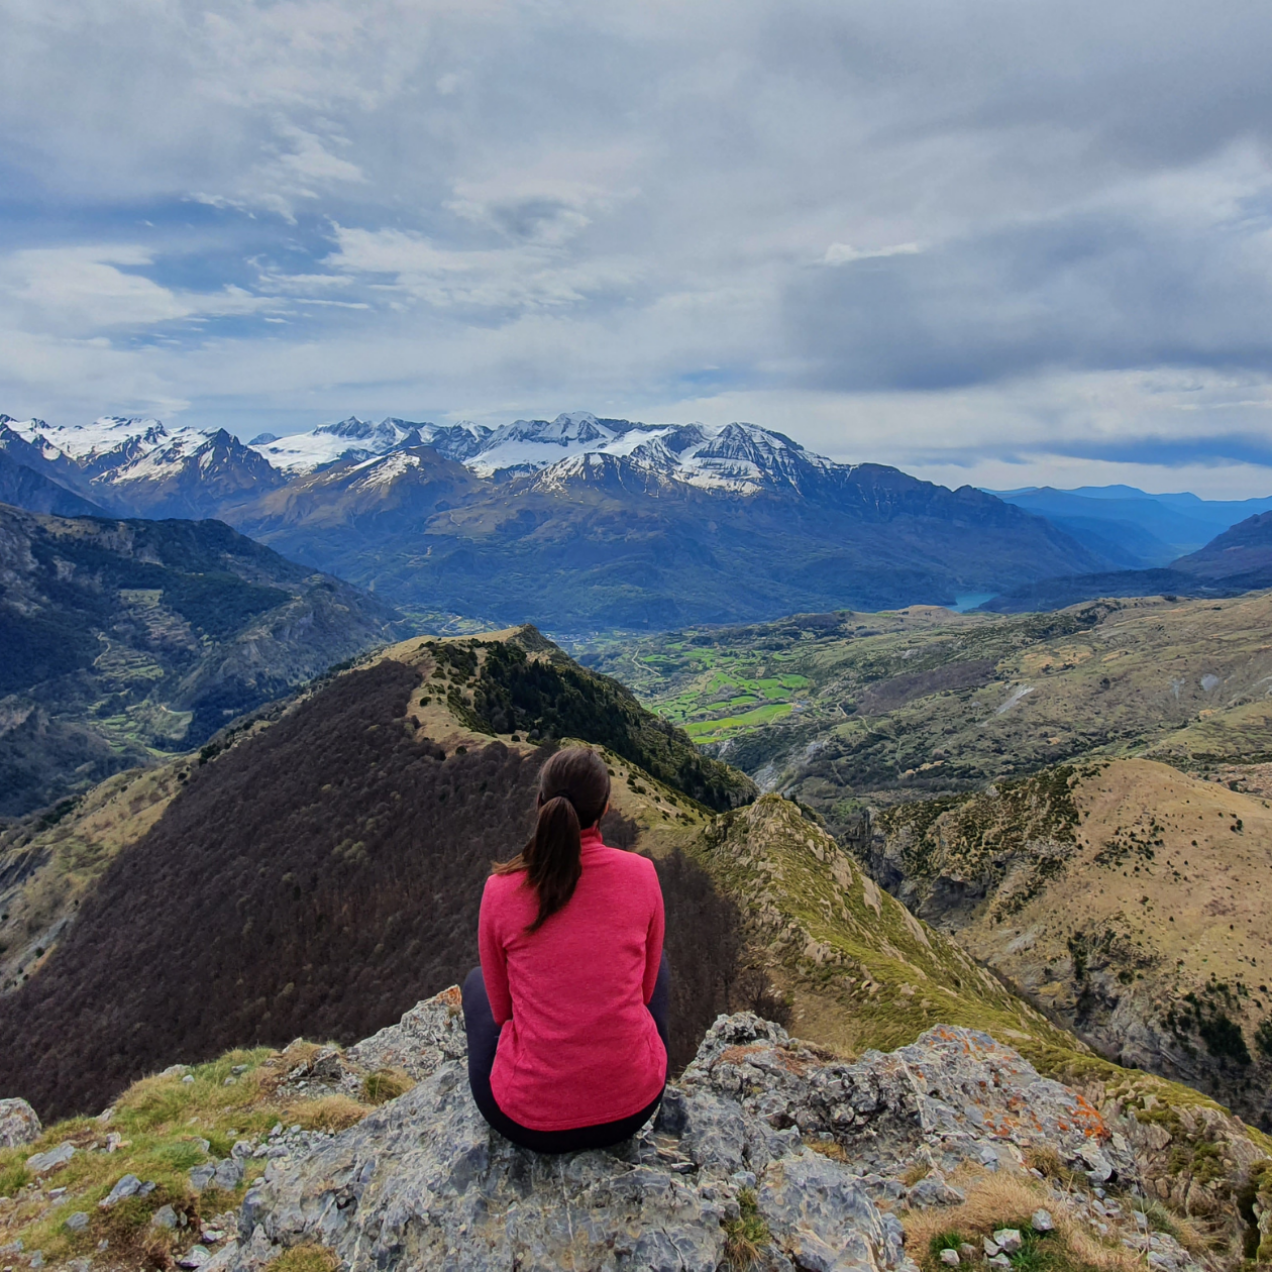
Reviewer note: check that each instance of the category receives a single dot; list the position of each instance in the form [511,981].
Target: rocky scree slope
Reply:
[1129,900]
[840,710]
[124,640]
[767,1153]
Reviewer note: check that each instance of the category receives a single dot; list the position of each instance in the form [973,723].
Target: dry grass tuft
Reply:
[386,1084]
[1003,1200]
[920,1170]
[1048,1163]
[331,1113]
[828,1148]
[304,1258]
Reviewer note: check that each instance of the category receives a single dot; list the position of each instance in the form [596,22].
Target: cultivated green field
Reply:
[841,708]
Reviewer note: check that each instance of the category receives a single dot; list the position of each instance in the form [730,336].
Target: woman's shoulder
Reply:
[632,864]
[501,888]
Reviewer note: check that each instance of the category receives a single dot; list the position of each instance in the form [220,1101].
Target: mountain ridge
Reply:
[578,522]
[127,639]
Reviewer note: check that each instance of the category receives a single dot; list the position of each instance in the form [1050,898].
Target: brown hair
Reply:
[574,788]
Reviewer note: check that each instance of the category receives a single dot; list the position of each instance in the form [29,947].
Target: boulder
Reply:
[128,1186]
[42,1163]
[429,1034]
[1008,1240]
[757,1120]
[18,1124]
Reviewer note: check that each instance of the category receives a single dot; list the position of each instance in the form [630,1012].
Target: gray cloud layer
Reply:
[996,241]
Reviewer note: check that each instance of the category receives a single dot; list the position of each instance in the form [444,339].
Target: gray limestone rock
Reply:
[76,1222]
[18,1124]
[822,1217]
[42,1163]
[423,1181]
[932,1190]
[1041,1221]
[164,1217]
[430,1033]
[128,1186]
[1008,1240]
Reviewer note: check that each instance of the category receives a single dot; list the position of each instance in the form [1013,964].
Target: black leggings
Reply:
[483,1039]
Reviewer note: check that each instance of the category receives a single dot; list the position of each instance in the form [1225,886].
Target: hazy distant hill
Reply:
[1238,560]
[24,487]
[578,523]
[126,639]
[1133,529]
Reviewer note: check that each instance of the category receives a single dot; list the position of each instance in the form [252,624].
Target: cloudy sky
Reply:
[998,241]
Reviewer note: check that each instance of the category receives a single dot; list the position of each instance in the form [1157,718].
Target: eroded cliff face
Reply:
[1127,899]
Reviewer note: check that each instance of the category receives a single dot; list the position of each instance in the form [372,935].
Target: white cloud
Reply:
[1048,227]
[88,288]
[503,278]
[844,253]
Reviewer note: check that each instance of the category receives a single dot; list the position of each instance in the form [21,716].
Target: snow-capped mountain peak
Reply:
[738,458]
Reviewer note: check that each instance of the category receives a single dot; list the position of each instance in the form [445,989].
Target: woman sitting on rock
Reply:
[567,1014]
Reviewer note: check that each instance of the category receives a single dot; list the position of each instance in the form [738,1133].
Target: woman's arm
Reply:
[494,961]
[653,937]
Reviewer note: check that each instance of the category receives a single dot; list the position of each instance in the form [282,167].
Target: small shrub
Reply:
[304,1258]
[1159,1218]
[384,1085]
[1224,1038]
[1263,1037]
[745,1236]
[1048,1163]
[13,1177]
[944,1241]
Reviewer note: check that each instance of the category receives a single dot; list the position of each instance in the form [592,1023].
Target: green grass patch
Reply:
[746,1236]
[710,730]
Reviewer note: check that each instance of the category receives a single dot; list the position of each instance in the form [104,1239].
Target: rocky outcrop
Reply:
[810,1149]
[18,1124]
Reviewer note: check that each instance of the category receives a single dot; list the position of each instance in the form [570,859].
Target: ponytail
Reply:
[574,790]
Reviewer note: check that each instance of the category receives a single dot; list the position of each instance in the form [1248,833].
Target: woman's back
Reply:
[580,1046]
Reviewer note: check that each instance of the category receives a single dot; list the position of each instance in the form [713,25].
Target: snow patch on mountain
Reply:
[385,470]
[329,443]
[737,458]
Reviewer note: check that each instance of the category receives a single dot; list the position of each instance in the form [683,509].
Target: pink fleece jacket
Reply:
[578,1046]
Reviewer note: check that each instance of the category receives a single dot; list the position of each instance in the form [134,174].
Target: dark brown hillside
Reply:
[318,878]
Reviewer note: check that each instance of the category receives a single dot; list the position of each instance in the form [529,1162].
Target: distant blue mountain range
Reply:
[1135,529]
